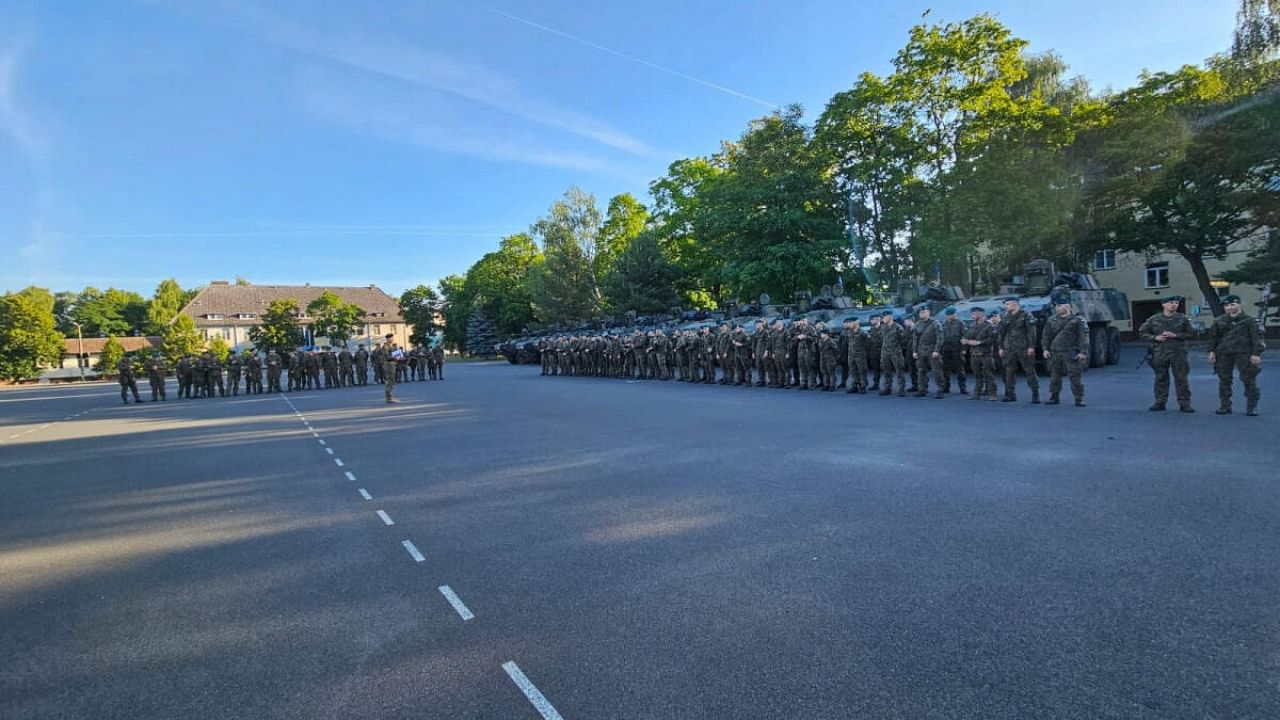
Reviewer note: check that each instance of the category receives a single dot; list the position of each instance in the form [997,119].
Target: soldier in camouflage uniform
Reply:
[873,348]
[759,352]
[658,345]
[346,373]
[1236,346]
[740,356]
[779,341]
[215,376]
[893,341]
[952,351]
[828,349]
[199,377]
[1017,342]
[437,359]
[273,370]
[125,375]
[362,365]
[1169,331]
[980,338]
[928,353]
[857,343]
[909,356]
[234,366]
[1066,346]
[377,361]
[182,372]
[253,374]
[156,369]
[806,340]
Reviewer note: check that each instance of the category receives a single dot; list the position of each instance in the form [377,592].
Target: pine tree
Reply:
[481,334]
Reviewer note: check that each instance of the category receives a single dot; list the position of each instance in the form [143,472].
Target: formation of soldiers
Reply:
[923,351]
[206,376]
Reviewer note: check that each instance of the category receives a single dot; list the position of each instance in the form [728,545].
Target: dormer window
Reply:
[246,316]
[213,316]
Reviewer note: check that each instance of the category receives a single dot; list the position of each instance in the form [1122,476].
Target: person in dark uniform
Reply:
[128,380]
[1235,346]
[1168,332]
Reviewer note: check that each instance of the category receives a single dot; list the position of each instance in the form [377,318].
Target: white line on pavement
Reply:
[318,439]
[328,449]
[338,462]
[456,602]
[385,517]
[413,551]
[530,691]
[350,477]
[365,494]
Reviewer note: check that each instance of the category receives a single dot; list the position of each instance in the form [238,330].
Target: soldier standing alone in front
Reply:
[1066,346]
[1235,345]
[1168,332]
[127,379]
[391,356]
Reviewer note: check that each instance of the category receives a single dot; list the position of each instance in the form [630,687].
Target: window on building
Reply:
[213,316]
[1104,260]
[377,331]
[1158,275]
[247,316]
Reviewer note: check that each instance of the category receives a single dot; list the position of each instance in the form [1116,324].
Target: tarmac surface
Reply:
[617,549]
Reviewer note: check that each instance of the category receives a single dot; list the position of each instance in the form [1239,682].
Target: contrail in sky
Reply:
[634,59]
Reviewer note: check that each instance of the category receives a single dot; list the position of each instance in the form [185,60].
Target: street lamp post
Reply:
[79,349]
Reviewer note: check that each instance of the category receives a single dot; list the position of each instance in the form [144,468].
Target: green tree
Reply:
[164,306]
[112,354]
[642,278]
[220,348]
[279,328]
[109,312]
[501,278]
[683,220]
[1188,167]
[565,287]
[29,338]
[455,305]
[623,221]
[419,306]
[334,318]
[180,339]
[1257,34]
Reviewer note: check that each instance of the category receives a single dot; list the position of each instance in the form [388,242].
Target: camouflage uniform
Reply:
[437,359]
[953,352]
[233,373]
[273,370]
[389,363]
[156,370]
[857,344]
[1169,356]
[893,339]
[1233,341]
[740,356]
[873,349]
[928,352]
[828,349]
[806,339]
[779,341]
[1064,340]
[759,350]
[362,365]
[346,376]
[253,375]
[658,345]
[199,377]
[125,376]
[1017,337]
[182,371]
[984,378]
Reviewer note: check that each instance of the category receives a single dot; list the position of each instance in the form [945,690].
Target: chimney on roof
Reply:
[219,282]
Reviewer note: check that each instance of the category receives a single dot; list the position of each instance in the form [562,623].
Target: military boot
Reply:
[1035,398]
[1010,398]
[1186,409]
[1158,407]
[963,390]
[1053,400]
[1224,410]
[1079,402]
[939,395]
[1251,411]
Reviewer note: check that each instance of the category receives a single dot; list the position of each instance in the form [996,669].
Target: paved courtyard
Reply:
[503,545]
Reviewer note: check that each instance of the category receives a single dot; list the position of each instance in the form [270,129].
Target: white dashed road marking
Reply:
[413,551]
[318,439]
[456,602]
[540,702]
[328,449]
[351,477]
[365,494]
[337,461]
[385,517]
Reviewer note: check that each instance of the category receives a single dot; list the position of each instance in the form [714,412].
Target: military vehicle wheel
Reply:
[1097,347]
[1113,346]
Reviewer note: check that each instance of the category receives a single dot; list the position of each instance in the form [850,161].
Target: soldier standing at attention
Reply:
[437,360]
[199,376]
[1066,347]
[183,374]
[1235,346]
[952,351]
[981,339]
[233,373]
[362,365]
[928,353]
[346,378]
[273,371]
[254,374]
[778,341]
[391,356]
[156,370]
[893,340]
[806,342]
[377,360]
[760,351]
[127,379]
[856,345]
[660,346]
[1168,333]
[996,365]
[828,348]
[908,353]
[740,356]
[873,349]
[1017,341]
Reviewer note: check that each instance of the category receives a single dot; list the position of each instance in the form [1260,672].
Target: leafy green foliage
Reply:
[180,339]
[279,328]
[642,278]
[164,306]
[29,338]
[105,313]
[565,287]
[420,306]
[111,355]
[220,348]
[334,318]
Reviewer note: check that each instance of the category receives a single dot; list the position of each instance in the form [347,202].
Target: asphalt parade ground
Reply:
[504,545]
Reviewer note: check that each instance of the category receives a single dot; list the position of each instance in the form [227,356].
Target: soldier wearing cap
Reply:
[980,337]
[1017,342]
[1168,332]
[1066,346]
[952,350]
[1235,346]
[893,341]
[928,353]
[391,357]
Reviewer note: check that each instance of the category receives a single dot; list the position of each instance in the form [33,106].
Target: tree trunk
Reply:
[1202,279]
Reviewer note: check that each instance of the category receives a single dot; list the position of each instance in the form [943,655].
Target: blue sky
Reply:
[290,142]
